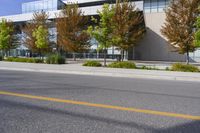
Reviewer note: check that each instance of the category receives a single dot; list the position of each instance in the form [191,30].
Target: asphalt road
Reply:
[24,115]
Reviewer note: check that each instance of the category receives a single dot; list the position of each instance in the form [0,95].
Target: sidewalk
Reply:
[112,72]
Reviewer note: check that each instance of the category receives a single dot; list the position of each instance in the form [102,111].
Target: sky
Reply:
[10,7]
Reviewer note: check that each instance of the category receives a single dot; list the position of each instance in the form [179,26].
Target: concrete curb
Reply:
[146,74]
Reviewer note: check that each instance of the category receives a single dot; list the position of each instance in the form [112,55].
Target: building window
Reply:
[42,5]
[151,6]
[147,5]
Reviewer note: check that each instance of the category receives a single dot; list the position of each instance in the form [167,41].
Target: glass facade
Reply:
[151,6]
[43,5]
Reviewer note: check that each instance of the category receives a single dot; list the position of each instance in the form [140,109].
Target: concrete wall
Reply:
[154,46]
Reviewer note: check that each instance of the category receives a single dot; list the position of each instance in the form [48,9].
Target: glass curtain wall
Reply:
[151,6]
[43,5]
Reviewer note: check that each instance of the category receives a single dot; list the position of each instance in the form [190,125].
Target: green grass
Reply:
[125,64]
[184,68]
[92,64]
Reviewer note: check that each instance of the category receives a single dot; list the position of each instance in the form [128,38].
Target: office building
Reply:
[152,47]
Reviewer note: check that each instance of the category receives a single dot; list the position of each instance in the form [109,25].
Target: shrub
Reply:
[38,61]
[148,68]
[28,60]
[55,59]
[126,64]
[184,68]
[92,64]
[167,69]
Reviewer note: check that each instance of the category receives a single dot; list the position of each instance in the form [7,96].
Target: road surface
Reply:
[60,103]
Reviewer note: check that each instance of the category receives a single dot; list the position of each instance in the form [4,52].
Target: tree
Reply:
[103,32]
[40,19]
[181,16]
[197,33]
[70,25]
[129,26]
[8,39]
[28,38]
[41,37]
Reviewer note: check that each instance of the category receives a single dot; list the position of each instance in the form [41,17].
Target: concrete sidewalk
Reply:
[112,72]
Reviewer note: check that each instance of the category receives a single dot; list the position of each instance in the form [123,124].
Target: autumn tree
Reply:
[104,30]
[181,16]
[8,39]
[129,26]
[38,23]
[28,39]
[70,24]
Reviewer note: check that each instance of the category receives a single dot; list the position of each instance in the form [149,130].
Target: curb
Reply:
[111,74]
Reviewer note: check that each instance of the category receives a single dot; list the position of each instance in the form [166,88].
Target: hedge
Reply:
[28,60]
[125,64]
[184,68]
[55,59]
[92,64]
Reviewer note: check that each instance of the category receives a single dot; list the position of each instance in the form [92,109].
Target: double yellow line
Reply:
[151,112]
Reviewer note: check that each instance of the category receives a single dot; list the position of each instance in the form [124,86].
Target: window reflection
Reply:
[155,5]
[45,5]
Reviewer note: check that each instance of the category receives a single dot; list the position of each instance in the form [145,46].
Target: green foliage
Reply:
[181,16]
[184,68]
[103,32]
[126,64]
[5,35]
[167,69]
[28,60]
[41,35]
[40,19]
[148,68]
[129,25]
[197,33]
[92,64]
[55,59]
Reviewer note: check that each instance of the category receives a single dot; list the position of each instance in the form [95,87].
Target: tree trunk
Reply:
[6,53]
[105,53]
[74,56]
[40,54]
[122,55]
[31,54]
[97,54]
[187,57]
[9,53]
[3,54]
[60,50]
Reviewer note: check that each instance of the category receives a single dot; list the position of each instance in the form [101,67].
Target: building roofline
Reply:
[88,11]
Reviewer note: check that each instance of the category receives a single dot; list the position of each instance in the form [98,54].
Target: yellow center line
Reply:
[152,112]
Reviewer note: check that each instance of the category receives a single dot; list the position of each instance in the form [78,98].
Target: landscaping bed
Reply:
[131,65]
[184,68]
[27,60]
[50,59]
[92,64]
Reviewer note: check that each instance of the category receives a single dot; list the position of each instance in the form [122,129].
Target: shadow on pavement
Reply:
[192,127]
[24,106]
